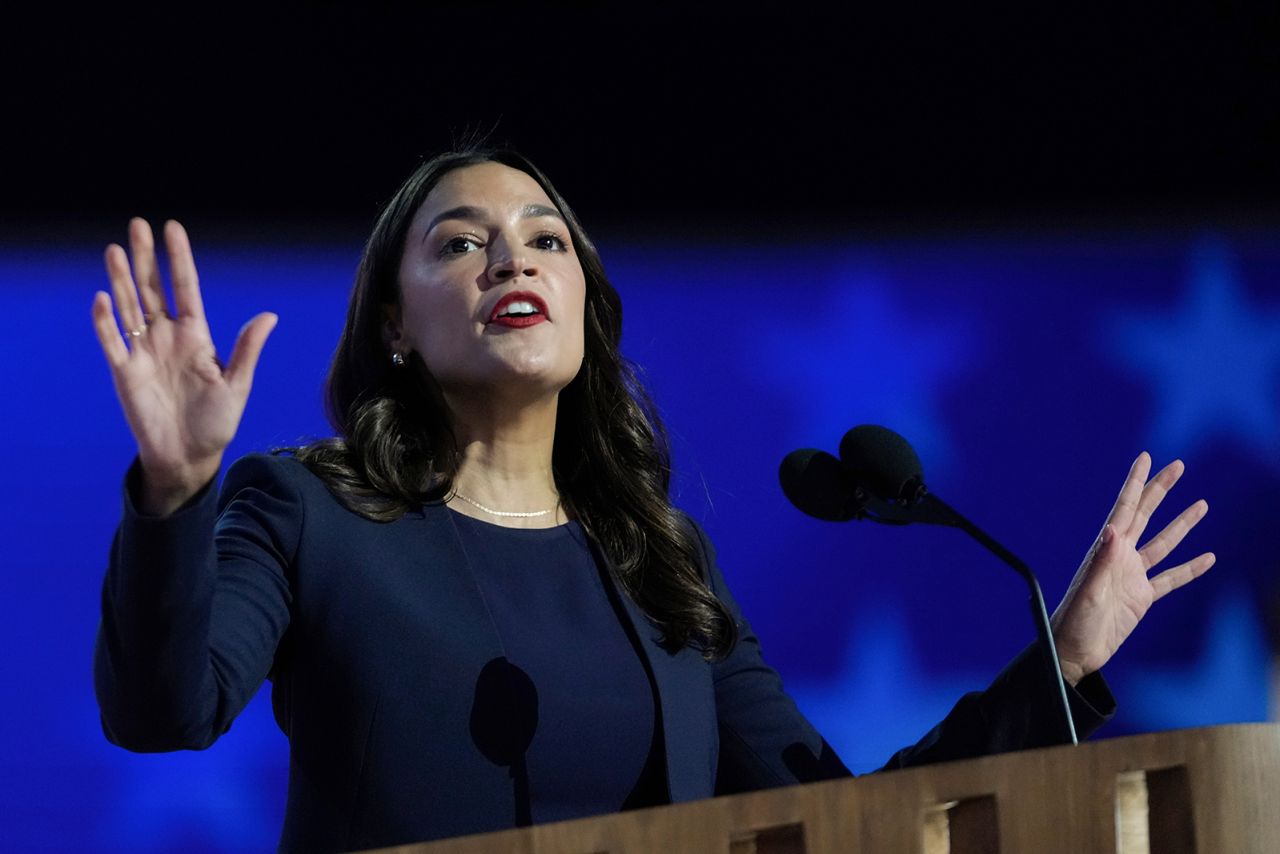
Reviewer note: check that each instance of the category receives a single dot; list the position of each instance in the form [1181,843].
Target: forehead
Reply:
[493,187]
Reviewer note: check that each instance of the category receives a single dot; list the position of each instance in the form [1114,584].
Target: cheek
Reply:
[580,324]
[433,315]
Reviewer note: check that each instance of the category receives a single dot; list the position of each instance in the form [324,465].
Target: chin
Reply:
[530,379]
[529,375]
[547,368]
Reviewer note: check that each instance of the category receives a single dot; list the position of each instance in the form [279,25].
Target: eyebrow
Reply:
[529,211]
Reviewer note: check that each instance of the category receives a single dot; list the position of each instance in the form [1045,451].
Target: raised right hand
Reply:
[181,403]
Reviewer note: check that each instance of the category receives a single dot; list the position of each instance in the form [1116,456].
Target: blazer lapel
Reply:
[685,699]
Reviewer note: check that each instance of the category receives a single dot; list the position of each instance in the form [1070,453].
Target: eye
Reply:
[550,241]
[459,245]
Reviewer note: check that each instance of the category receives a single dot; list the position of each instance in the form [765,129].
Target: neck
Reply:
[505,460]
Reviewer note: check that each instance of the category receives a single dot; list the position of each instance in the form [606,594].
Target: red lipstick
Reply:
[519,321]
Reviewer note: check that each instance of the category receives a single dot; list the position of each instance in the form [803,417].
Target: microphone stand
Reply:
[930,509]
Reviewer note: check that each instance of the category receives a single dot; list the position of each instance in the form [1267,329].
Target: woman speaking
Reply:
[476,603]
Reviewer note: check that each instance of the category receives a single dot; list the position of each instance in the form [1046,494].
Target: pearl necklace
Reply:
[506,513]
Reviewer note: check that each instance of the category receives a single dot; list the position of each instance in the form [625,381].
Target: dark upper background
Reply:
[717,119]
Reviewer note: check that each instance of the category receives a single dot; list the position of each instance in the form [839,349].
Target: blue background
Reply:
[1028,369]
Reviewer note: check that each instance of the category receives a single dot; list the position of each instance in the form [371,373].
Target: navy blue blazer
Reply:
[374,635]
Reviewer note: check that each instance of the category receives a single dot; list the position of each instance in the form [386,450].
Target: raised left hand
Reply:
[1112,590]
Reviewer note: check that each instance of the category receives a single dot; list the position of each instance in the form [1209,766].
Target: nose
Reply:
[513,262]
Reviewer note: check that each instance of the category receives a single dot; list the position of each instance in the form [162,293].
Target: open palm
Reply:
[182,405]
[1113,589]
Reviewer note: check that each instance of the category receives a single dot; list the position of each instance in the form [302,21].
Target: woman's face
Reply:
[485,234]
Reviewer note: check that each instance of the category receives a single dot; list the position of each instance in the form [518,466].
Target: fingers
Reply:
[244,356]
[1167,540]
[145,271]
[182,272]
[1172,579]
[1152,495]
[1126,506]
[122,288]
[104,323]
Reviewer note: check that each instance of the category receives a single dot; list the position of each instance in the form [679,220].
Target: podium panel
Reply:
[1208,790]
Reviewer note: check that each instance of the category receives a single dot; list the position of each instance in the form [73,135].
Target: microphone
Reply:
[816,483]
[883,480]
[883,462]
[820,485]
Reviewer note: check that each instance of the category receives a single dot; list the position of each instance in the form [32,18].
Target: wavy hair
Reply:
[395,450]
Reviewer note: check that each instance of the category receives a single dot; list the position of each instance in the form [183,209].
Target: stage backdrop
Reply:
[1028,372]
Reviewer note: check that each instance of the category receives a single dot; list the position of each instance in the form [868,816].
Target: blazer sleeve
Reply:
[765,741]
[194,605]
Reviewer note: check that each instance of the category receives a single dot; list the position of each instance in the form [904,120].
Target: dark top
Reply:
[380,649]
[577,696]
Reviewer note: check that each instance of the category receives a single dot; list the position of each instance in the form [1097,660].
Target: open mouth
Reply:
[520,308]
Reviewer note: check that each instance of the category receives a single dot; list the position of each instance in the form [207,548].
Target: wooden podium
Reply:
[1213,791]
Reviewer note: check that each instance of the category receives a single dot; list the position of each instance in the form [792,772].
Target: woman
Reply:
[476,604]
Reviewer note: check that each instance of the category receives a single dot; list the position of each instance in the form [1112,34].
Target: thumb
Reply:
[1106,544]
[1102,544]
[244,357]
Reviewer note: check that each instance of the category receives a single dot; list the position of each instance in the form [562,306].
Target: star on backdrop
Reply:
[1212,362]
[883,700]
[882,361]
[1226,683]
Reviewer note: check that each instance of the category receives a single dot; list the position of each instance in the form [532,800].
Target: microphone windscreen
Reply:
[882,462]
[815,483]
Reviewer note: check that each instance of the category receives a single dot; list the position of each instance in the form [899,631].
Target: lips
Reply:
[520,296]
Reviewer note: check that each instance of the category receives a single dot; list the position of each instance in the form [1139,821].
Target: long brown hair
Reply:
[395,450]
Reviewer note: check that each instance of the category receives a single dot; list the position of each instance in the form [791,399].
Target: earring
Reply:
[397,360]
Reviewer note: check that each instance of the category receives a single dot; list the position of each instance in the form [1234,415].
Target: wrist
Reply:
[162,492]
[1072,673]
